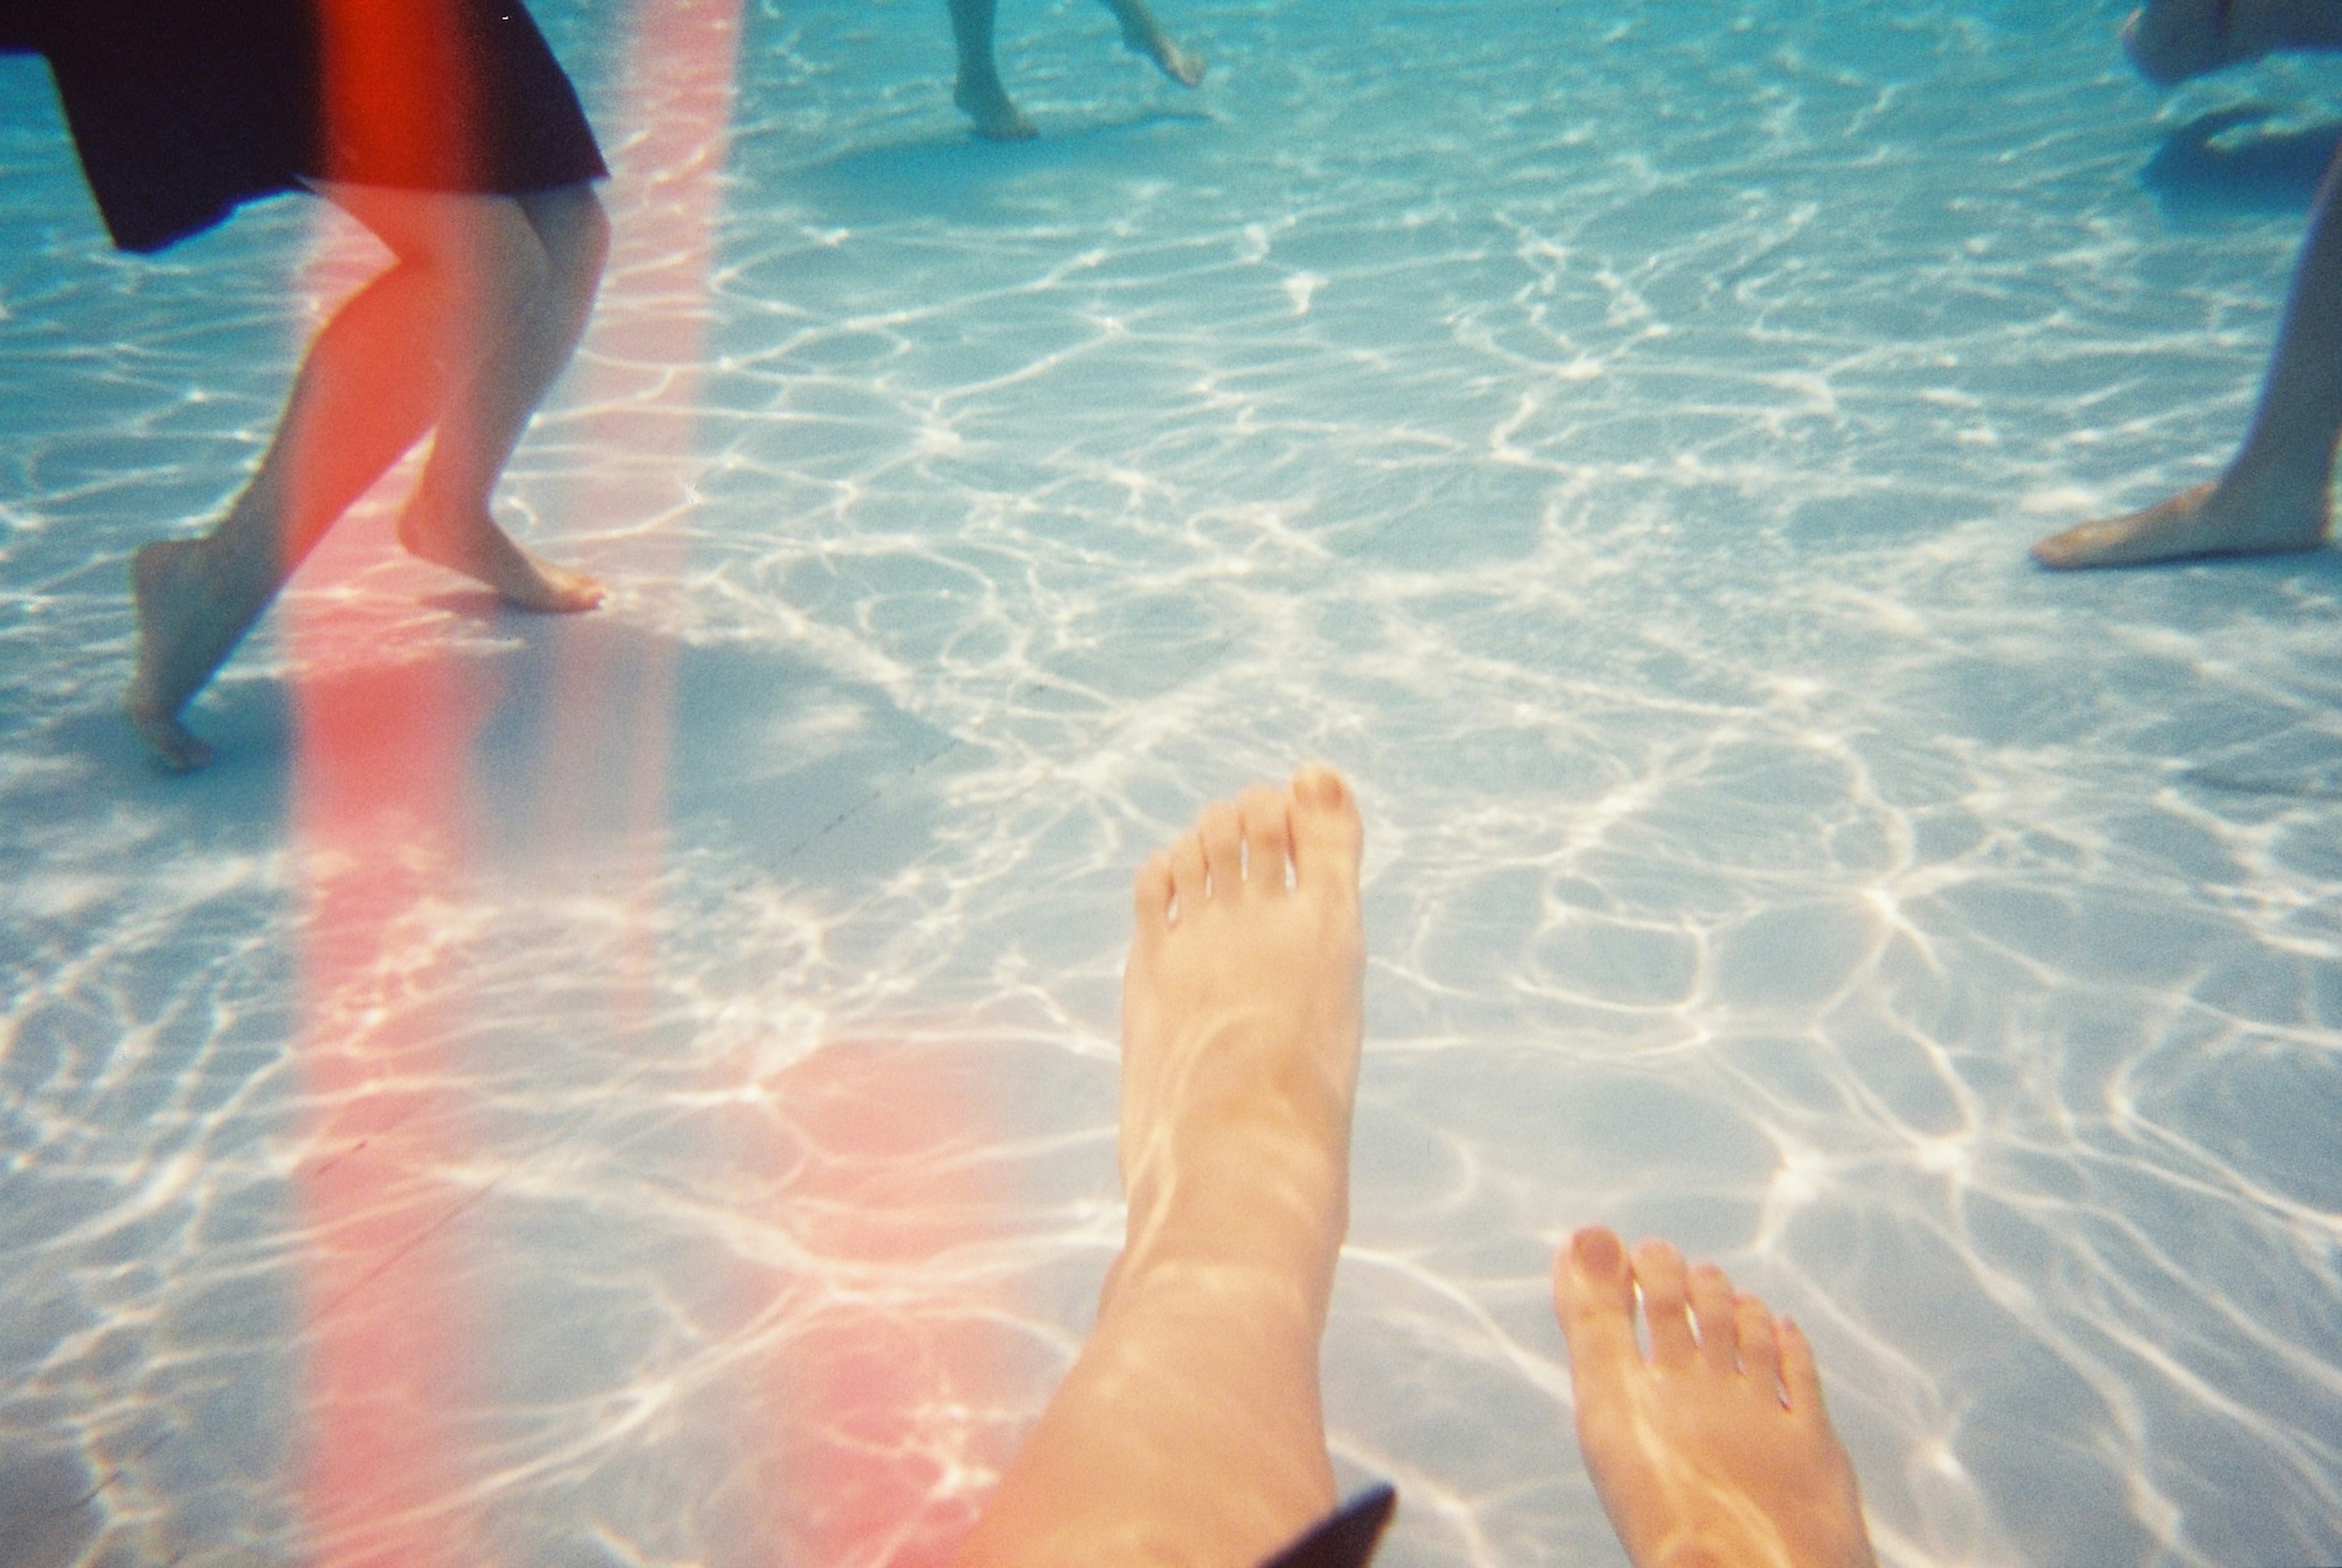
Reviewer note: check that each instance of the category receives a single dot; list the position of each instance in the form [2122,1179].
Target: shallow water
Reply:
[1609,434]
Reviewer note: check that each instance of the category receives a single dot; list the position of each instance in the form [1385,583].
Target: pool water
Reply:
[639,1089]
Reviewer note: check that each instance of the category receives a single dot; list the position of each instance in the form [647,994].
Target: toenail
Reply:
[1598,1251]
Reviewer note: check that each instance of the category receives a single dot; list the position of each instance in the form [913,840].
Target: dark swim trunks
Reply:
[181,109]
[1348,1540]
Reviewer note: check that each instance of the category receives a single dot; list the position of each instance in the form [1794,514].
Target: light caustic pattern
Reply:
[1611,438]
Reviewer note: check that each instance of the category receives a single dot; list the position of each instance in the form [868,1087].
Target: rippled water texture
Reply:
[639,1089]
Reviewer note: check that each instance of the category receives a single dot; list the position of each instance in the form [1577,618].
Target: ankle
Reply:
[2275,467]
[1252,1200]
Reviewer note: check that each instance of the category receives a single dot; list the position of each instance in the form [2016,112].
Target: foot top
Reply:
[1242,997]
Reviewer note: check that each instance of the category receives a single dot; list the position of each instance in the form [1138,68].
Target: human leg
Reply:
[978,90]
[1714,1452]
[1142,35]
[362,396]
[377,376]
[2275,494]
[519,275]
[1190,1428]
[448,520]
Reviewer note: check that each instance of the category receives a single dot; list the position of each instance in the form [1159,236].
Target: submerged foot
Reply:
[1149,39]
[1242,1008]
[2232,517]
[478,549]
[1714,1452]
[184,635]
[989,105]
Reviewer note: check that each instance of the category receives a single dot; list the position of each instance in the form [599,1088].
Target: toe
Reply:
[1717,1316]
[1760,1352]
[1801,1380]
[1327,833]
[1222,832]
[1268,840]
[1150,894]
[1593,1297]
[1659,1274]
[1187,874]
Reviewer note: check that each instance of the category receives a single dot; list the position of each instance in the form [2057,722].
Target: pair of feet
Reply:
[195,598]
[1243,1004]
[982,97]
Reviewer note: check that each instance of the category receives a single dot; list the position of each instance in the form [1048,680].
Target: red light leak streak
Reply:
[382,739]
[642,370]
[845,1438]
[887,1389]
[837,1431]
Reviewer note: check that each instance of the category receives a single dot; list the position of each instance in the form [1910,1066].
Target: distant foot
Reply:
[1716,1450]
[2232,517]
[183,636]
[1181,66]
[1242,1008]
[485,552]
[997,118]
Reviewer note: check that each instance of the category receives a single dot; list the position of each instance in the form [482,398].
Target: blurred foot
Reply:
[2238,515]
[987,104]
[1714,1452]
[1149,39]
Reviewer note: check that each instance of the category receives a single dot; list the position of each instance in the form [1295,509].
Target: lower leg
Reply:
[527,326]
[1190,1428]
[2275,494]
[978,90]
[362,396]
[535,330]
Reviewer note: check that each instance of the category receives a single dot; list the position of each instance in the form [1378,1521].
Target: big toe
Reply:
[1593,1297]
[1150,895]
[1326,832]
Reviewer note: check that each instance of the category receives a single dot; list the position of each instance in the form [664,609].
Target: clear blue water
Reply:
[1610,433]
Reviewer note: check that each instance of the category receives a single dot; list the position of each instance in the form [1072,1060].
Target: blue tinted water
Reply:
[1608,432]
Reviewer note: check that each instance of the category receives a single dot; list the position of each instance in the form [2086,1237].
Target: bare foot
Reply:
[2234,516]
[485,552]
[1242,1010]
[1191,1428]
[1150,40]
[1715,1452]
[997,118]
[183,636]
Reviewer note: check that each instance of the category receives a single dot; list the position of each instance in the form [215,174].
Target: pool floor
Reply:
[639,1089]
